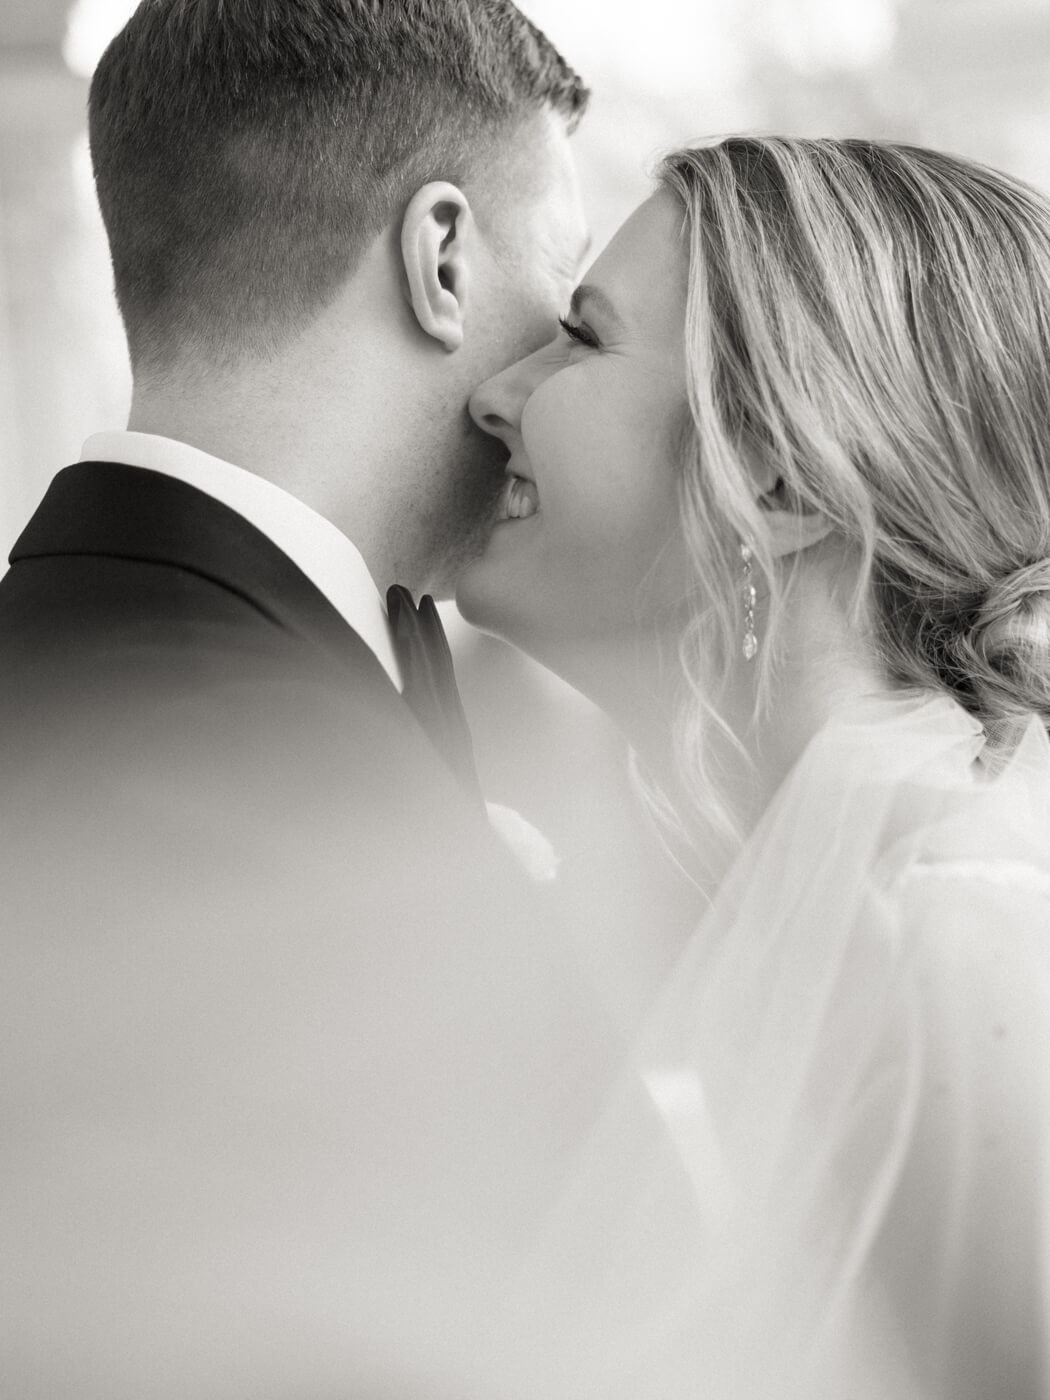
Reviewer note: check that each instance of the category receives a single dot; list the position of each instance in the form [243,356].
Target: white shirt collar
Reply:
[314,544]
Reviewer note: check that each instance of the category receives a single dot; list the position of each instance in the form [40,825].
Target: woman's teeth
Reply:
[520,499]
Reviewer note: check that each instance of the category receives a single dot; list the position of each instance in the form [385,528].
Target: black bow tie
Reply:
[430,681]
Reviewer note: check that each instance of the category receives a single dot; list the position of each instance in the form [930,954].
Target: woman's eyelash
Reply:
[583,335]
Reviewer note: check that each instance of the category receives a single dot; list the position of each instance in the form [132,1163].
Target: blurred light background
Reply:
[972,76]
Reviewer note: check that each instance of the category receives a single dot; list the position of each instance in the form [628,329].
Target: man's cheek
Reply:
[537,322]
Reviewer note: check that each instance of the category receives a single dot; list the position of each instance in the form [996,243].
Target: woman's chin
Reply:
[488,599]
[511,591]
[502,592]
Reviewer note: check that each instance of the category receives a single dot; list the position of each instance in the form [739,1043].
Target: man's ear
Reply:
[790,525]
[435,234]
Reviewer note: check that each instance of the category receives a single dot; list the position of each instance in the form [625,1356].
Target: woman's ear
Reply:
[790,525]
[434,237]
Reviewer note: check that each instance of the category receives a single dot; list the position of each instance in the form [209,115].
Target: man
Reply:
[288,1040]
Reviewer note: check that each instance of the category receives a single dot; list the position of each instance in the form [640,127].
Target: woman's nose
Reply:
[496,405]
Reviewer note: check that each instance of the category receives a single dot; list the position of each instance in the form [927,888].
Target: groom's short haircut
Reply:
[247,152]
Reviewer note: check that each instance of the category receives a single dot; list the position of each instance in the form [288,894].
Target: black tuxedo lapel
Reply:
[111,510]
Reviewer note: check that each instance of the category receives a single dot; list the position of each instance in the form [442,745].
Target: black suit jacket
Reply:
[293,1039]
[124,575]
[133,596]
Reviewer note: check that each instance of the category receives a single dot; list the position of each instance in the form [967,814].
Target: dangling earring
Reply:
[750,640]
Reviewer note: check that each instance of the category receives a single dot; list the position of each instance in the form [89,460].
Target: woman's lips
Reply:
[520,499]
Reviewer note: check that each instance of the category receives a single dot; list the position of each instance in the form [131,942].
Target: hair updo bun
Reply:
[1006,651]
[868,324]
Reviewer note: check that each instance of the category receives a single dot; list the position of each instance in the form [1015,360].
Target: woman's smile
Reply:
[591,424]
[519,500]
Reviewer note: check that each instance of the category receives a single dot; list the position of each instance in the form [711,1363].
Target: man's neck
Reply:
[261,433]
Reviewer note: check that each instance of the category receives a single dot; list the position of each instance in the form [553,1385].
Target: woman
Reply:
[779,500]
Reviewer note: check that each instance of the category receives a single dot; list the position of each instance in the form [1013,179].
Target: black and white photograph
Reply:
[525,700]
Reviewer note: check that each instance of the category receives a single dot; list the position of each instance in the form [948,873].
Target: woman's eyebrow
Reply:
[598,299]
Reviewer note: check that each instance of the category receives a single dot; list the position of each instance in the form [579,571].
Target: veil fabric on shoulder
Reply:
[837,1181]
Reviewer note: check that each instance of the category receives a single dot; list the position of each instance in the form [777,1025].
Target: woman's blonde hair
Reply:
[869,324]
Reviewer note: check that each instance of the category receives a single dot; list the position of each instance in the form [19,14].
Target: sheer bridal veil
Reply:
[836,1180]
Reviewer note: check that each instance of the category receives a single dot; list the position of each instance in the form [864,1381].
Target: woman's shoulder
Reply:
[959,1244]
[978,911]
[1005,880]
[974,935]
[961,854]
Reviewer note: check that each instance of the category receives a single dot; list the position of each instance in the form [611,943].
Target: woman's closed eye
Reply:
[579,332]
